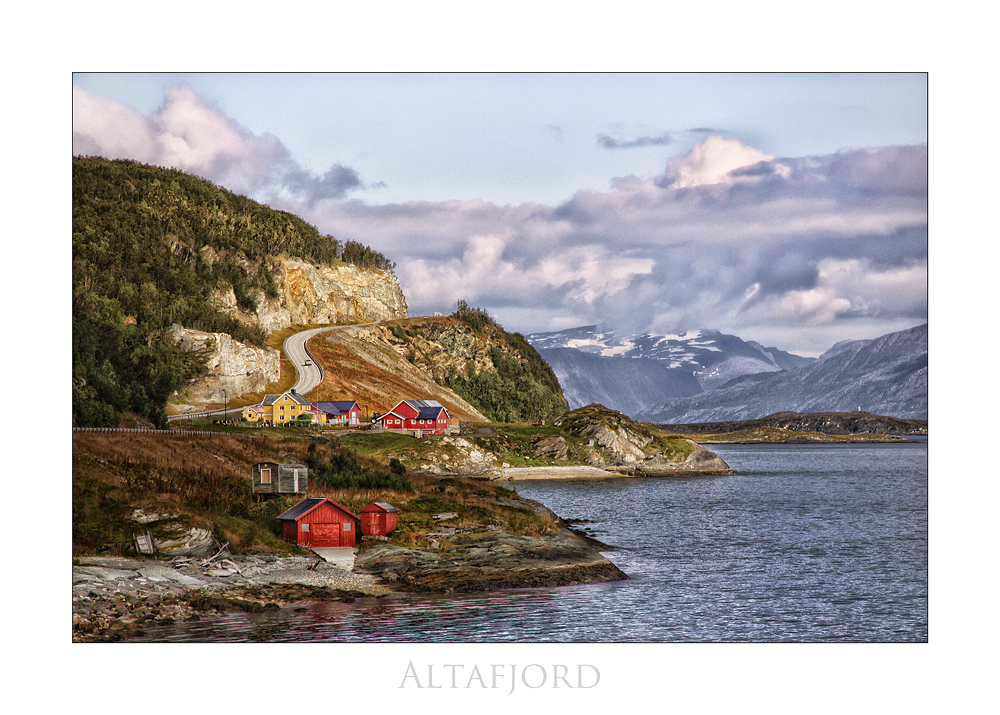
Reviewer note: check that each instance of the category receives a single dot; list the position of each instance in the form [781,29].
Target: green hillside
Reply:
[149,247]
[520,388]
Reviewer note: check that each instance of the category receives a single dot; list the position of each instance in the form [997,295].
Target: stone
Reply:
[231,368]
[550,447]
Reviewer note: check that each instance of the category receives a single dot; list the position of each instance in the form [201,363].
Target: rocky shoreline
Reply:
[490,561]
[115,598]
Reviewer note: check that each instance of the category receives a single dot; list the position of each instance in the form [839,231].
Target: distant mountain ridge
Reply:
[885,376]
[594,365]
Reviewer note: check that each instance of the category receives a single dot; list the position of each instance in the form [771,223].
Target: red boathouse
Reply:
[378,519]
[318,522]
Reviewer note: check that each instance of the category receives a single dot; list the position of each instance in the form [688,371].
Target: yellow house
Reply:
[282,409]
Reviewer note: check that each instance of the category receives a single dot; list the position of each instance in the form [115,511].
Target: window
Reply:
[305,527]
[347,526]
[265,476]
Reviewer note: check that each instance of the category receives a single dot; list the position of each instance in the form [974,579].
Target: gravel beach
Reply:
[577,472]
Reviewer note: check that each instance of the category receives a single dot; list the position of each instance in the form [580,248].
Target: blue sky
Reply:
[784,208]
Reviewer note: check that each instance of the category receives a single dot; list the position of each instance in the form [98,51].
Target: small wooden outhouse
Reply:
[378,519]
[316,521]
[274,478]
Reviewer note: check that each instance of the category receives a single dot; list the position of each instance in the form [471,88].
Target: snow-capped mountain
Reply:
[631,373]
[885,376]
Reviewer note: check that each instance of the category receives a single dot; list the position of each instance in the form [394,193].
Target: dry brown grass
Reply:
[376,375]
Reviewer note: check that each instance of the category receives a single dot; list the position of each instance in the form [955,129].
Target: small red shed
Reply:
[378,519]
[318,521]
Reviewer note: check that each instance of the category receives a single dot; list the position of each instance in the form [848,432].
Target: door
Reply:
[325,535]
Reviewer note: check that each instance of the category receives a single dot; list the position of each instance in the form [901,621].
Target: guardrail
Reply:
[177,432]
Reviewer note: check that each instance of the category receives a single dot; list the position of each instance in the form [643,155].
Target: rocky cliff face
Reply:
[231,368]
[318,294]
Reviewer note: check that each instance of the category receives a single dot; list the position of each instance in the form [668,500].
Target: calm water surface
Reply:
[808,543]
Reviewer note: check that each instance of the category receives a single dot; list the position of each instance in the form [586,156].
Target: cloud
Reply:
[795,252]
[609,142]
[712,161]
[188,134]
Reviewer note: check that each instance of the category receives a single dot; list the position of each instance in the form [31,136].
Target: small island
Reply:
[804,428]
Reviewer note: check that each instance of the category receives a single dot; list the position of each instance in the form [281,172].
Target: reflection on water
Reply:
[807,543]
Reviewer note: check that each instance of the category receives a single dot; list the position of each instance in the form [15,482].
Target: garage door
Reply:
[325,535]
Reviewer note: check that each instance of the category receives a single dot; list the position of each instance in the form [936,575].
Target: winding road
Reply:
[309,373]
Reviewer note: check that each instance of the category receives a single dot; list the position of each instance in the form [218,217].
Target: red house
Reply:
[420,416]
[346,412]
[378,519]
[318,522]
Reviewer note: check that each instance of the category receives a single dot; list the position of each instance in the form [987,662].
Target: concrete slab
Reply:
[337,555]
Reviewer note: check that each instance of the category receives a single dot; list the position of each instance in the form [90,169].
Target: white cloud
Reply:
[712,162]
[189,135]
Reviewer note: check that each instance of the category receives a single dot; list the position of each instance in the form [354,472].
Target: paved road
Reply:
[309,373]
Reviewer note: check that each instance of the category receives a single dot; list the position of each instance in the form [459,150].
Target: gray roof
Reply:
[301,508]
[299,399]
[385,505]
[336,407]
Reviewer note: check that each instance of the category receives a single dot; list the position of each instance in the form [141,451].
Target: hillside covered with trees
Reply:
[150,245]
[520,388]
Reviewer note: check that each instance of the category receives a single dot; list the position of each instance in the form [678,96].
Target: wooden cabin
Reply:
[279,479]
[315,522]
[378,519]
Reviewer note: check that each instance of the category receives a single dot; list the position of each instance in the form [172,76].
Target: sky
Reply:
[790,209]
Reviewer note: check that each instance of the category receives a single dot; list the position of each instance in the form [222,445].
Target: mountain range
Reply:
[709,376]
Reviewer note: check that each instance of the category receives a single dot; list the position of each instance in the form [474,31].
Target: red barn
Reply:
[418,416]
[318,522]
[378,519]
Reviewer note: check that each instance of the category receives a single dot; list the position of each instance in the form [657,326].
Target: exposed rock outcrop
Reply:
[231,369]
[172,537]
[315,294]
[489,562]
[629,447]
[453,456]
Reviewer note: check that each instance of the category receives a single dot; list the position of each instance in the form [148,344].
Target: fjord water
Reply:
[808,543]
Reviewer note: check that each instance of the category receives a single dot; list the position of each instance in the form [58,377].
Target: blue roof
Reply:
[336,407]
[427,409]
